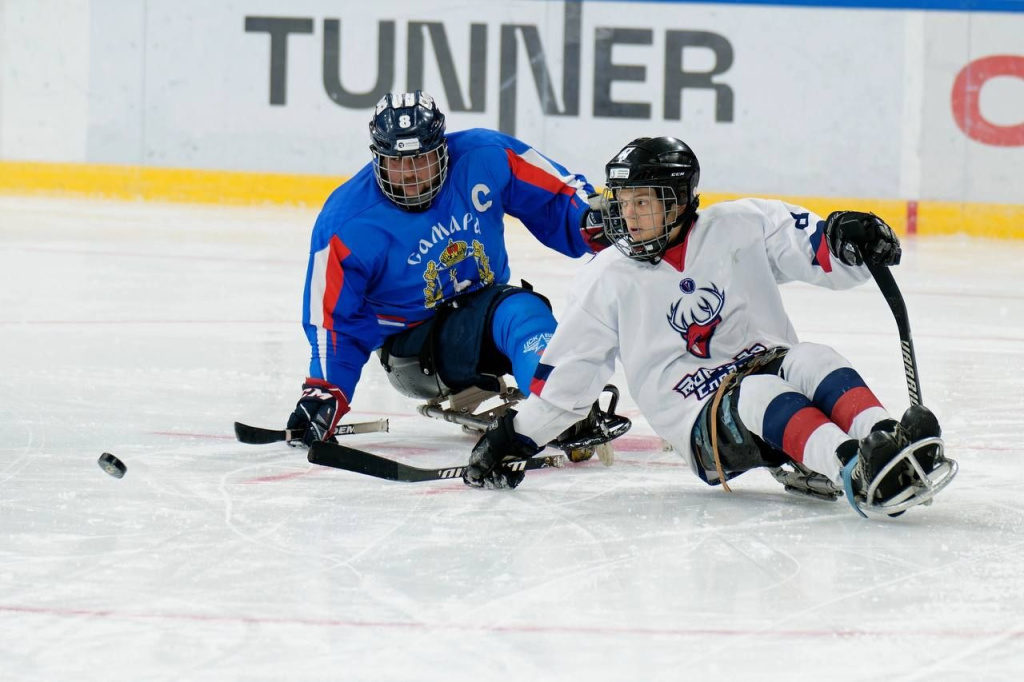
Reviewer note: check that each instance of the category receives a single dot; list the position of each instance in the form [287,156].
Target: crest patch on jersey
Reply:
[695,316]
[452,255]
[454,252]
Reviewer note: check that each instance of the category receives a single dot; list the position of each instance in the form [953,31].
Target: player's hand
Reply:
[318,412]
[855,237]
[498,445]
[592,228]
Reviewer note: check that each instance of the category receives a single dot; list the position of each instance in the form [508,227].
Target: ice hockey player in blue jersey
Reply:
[408,258]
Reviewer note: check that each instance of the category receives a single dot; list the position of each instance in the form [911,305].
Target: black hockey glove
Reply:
[855,237]
[318,412]
[498,445]
[592,228]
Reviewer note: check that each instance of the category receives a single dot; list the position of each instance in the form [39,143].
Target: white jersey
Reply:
[680,326]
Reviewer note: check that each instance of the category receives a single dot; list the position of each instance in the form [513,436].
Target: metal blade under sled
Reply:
[802,481]
[591,436]
[464,407]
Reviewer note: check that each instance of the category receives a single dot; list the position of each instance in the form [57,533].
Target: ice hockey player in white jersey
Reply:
[689,303]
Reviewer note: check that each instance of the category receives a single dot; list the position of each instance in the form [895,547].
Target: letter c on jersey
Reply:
[477,192]
[967,93]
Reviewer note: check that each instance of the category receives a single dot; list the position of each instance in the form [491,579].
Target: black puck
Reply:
[112,465]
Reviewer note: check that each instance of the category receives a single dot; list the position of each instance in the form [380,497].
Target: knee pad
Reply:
[738,450]
[512,319]
[406,375]
[521,312]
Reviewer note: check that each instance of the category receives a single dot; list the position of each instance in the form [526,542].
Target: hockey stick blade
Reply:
[254,435]
[361,462]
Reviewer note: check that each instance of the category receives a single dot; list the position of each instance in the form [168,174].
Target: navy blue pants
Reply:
[473,339]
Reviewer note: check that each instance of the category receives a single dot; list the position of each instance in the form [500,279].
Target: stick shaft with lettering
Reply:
[339,456]
[894,298]
[254,435]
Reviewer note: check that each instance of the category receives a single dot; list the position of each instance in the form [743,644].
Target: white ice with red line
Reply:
[146,330]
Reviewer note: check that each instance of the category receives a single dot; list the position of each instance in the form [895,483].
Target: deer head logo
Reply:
[696,323]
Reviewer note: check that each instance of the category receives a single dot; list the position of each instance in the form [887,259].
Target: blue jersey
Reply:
[376,269]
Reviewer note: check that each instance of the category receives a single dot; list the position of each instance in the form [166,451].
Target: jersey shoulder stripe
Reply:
[525,171]
[335,279]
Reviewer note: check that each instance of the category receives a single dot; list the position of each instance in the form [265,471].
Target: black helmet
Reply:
[665,165]
[409,126]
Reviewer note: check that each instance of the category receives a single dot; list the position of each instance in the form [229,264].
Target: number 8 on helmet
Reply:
[410,152]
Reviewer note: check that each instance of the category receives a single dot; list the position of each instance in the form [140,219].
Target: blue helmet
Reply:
[410,152]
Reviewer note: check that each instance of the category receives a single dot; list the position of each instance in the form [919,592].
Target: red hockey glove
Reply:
[592,227]
[318,412]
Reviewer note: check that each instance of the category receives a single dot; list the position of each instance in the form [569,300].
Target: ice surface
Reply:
[146,330]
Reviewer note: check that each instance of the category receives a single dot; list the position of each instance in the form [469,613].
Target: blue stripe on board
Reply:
[934,5]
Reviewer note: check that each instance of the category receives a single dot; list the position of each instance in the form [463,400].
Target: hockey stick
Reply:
[361,462]
[894,298]
[254,435]
[924,484]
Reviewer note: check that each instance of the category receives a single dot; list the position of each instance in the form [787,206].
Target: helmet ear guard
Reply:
[409,126]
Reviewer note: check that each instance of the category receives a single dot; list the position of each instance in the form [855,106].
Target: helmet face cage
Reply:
[402,178]
[410,152]
[659,209]
[665,171]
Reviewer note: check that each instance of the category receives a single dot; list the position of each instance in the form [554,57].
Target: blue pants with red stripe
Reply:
[490,332]
[521,327]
